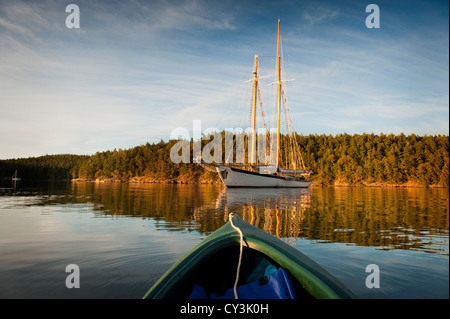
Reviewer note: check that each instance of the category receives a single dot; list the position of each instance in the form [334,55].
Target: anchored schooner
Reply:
[255,175]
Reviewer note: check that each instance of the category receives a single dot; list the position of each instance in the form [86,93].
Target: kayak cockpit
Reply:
[265,268]
[260,277]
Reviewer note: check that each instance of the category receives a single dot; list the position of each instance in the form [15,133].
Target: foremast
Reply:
[255,89]
[278,96]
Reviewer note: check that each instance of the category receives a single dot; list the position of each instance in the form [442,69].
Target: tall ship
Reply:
[287,171]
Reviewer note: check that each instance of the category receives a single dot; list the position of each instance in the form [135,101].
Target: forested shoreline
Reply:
[350,160]
[47,167]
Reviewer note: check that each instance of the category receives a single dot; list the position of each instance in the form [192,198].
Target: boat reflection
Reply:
[385,218]
[279,212]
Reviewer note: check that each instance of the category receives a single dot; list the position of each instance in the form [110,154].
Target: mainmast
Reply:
[255,88]
[279,93]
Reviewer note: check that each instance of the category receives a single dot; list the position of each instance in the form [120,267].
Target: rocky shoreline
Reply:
[146,180]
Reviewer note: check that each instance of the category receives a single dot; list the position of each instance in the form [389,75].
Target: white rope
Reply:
[240,254]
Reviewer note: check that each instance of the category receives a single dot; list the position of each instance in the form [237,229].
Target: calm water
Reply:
[123,237]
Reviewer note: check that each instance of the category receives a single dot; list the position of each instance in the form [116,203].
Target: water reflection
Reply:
[386,218]
[277,211]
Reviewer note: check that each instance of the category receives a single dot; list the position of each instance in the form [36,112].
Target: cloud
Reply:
[137,19]
[63,95]
[135,70]
[188,14]
[364,81]
[15,28]
[319,14]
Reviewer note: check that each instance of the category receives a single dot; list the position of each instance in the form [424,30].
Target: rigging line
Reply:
[248,98]
[263,115]
[230,101]
[299,155]
[289,129]
[259,94]
[293,138]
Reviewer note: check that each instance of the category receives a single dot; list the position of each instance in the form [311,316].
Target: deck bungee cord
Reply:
[230,216]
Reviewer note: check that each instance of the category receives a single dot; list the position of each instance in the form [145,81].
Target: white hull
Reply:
[239,178]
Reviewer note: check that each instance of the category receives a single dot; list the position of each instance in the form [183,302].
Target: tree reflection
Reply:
[386,218]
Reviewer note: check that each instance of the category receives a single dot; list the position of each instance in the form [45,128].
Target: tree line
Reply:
[360,159]
[383,159]
[47,167]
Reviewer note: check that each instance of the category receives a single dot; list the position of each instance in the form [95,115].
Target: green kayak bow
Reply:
[213,264]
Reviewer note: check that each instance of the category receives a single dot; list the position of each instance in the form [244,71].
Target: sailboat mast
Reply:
[255,88]
[279,94]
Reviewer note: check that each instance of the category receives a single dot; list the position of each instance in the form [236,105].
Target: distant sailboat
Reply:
[14,177]
[255,175]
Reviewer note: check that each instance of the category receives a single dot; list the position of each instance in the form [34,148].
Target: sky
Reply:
[136,70]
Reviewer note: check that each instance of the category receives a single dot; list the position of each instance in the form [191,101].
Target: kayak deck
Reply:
[211,266]
[214,277]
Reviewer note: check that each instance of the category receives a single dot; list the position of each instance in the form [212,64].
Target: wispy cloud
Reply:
[70,96]
[319,14]
[135,70]
[15,28]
